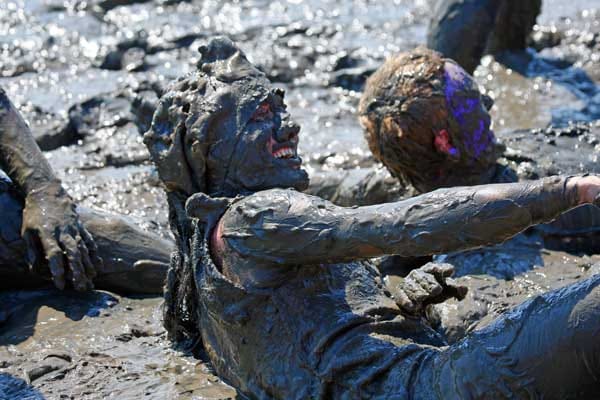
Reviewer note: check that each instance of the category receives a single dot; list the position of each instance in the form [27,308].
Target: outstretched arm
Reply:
[50,222]
[288,227]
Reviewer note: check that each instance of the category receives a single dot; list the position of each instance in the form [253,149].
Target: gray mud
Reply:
[86,75]
[94,346]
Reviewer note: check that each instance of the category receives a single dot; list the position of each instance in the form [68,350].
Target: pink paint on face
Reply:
[443,144]
[217,244]
[270,144]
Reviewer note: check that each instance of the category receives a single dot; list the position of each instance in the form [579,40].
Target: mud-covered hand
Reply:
[52,229]
[429,284]
[588,188]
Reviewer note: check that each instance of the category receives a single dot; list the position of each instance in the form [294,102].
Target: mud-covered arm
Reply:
[20,156]
[51,226]
[288,227]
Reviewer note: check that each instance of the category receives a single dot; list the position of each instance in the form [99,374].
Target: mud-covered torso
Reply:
[294,331]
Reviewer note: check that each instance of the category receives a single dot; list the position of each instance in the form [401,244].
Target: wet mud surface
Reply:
[94,346]
[86,75]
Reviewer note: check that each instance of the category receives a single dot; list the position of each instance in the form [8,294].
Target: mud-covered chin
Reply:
[302,180]
[272,178]
[254,168]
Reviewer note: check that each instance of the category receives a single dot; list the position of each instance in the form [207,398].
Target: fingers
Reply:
[440,271]
[55,257]
[90,271]
[430,284]
[92,249]
[77,273]
[420,286]
[69,260]
[454,289]
[57,269]
[403,301]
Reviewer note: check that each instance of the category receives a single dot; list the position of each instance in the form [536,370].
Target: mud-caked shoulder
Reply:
[248,210]
[288,202]
[275,225]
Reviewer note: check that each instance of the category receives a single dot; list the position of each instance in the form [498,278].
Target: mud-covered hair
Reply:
[191,141]
[406,103]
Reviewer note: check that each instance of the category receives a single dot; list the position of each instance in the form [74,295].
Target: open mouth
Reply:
[285,152]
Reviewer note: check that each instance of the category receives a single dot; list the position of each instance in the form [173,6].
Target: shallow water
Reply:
[55,55]
[306,45]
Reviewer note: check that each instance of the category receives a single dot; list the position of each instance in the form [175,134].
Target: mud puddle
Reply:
[95,346]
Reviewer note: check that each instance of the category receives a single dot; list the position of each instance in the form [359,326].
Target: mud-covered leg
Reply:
[460,29]
[513,25]
[547,348]
[465,30]
[135,261]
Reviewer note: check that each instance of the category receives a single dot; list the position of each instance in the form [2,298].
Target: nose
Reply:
[287,131]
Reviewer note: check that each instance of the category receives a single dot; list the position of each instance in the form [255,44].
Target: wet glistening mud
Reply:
[87,76]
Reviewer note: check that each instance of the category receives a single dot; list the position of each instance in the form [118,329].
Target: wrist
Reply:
[572,190]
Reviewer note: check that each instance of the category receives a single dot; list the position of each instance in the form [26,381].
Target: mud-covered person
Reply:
[425,119]
[44,237]
[461,30]
[277,285]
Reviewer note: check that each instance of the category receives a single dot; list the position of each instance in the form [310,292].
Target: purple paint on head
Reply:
[457,82]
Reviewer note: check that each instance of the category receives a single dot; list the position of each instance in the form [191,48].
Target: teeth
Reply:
[286,152]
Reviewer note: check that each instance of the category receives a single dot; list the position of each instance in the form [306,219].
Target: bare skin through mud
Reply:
[88,76]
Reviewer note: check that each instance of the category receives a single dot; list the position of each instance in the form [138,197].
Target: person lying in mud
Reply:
[277,287]
[42,233]
[434,131]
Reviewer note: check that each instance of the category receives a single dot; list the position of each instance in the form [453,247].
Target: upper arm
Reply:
[284,227]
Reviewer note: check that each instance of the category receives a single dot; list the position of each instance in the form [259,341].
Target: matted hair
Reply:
[405,104]
[191,141]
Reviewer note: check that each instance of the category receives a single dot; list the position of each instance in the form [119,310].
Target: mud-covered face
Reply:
[469,109]
[266,155]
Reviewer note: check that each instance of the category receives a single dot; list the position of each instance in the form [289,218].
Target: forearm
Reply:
[466,217]
[20,156]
